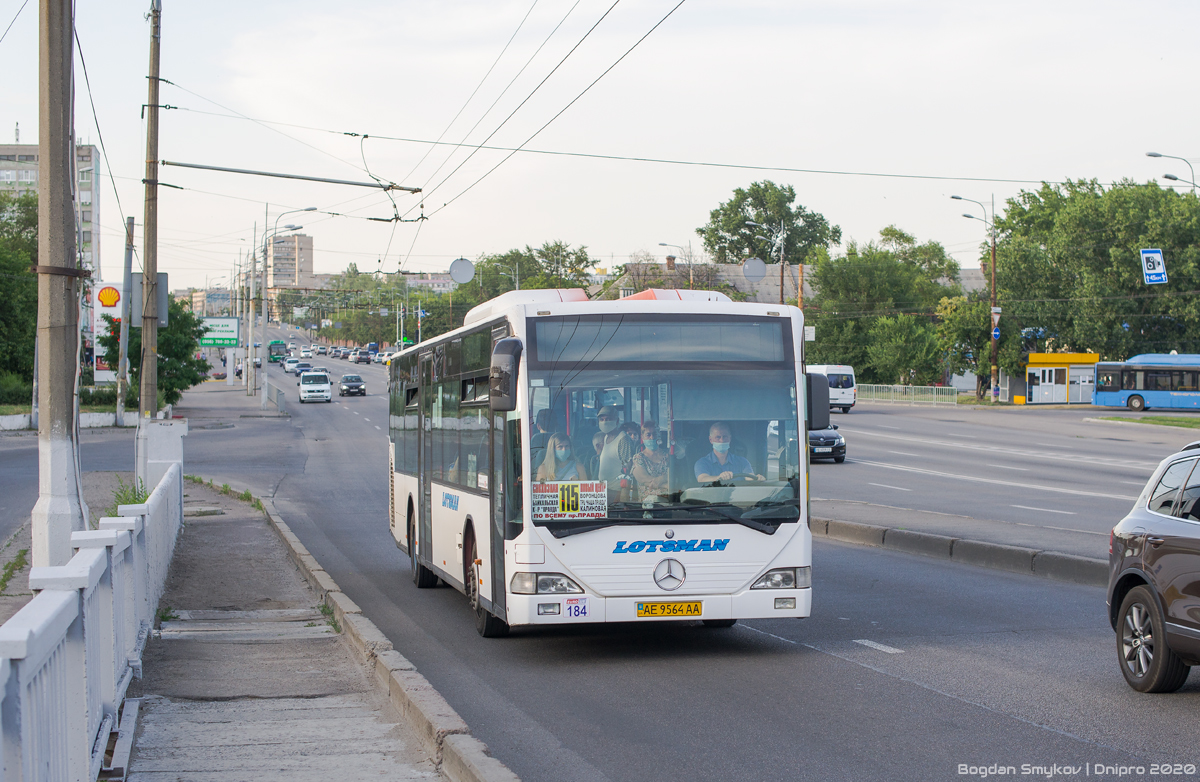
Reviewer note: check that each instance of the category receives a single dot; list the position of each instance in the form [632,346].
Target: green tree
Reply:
[179,367]
[883,279]
[18,304]
[728,239]
[1069,275]
[904,349]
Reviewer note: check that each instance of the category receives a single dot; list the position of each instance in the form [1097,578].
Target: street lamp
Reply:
[688,255]
[1174,178]
[251,387]
[995,309]
[778,241]
[1173,157]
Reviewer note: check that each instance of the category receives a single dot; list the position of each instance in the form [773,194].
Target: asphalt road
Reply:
[908,667]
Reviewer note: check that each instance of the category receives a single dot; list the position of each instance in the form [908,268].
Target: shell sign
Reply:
[106,301]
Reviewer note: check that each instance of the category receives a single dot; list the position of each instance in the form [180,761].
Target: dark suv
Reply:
[1154,578]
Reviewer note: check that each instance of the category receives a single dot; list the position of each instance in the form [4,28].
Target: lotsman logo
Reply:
[449,500]
[651,546]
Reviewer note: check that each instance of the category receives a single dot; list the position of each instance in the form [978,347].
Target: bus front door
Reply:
[425,459]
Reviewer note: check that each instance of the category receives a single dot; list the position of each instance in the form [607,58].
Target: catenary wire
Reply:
[14,20]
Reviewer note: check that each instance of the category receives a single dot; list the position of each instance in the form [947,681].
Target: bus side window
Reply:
[1130,380]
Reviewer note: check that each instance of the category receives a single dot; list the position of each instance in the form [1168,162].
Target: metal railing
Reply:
[908,395]
[67,657]
[275,396]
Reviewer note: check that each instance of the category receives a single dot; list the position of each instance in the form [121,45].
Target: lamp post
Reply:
[995,310]
[1192,181]
[778,240]
[1174,178]
[253,352]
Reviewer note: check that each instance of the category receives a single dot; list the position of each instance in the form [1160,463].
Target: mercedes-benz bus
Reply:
[563,461]
[276,351]
[1149,380]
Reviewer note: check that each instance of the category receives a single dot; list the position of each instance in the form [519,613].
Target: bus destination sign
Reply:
[570,500]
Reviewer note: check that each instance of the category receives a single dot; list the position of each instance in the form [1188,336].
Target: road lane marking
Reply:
[885,426]
[1006,467]
[879,646]
[365,418]
[1045,510]
[998,450]
[966,436]
[884,485]
[356,412]
[995,481]
[1133,483]
[377,427]
[903,453]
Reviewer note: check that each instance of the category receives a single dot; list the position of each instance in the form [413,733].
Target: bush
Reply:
[15,390]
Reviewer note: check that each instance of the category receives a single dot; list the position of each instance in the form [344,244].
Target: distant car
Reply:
[291,346]
[377,358]
[305,353]
[289,365]
[302,367]
[323,369]
[322,350]
[1154,578]
[315,387]
[257,361]
[827,444]
[363,357]
[843,392]
[351,385]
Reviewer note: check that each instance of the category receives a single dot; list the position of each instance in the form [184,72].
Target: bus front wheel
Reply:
[1136,403]
[488,624]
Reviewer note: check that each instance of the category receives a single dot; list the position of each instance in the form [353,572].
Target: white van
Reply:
[315,386]
[843,391]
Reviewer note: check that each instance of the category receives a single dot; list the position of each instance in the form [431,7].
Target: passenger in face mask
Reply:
[650,465]
[618,446]
[560,463]
[721,465]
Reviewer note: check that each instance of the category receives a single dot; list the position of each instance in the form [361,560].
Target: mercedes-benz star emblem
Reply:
[669,574]
[669,534]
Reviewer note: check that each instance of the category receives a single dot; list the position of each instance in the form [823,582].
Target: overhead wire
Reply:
[478,86]
[564,108]
[14,20]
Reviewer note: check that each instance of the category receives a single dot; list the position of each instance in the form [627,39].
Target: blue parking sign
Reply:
[1154,269]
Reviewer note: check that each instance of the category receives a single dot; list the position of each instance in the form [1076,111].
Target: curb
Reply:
[1054,565]
[457,754]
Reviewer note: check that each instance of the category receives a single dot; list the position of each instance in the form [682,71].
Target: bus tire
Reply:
[1136,403]
[422,576]
[719,622]
[486,623]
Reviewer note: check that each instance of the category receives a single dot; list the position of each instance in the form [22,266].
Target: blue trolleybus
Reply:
[1149,380]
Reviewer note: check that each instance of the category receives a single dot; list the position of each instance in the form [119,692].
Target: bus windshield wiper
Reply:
[728,510]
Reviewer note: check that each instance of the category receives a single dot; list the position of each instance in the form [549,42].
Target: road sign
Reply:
[996,333]
[996,310]
[222,333]
[995,319]
[1154,268]
[810,333]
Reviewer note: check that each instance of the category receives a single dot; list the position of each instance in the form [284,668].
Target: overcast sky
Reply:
[1020,90]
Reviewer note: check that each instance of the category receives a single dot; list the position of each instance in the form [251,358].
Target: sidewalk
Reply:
[247,678]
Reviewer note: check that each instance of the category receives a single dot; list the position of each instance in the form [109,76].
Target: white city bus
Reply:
[504,486]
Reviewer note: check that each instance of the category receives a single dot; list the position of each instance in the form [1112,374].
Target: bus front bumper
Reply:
[571,609]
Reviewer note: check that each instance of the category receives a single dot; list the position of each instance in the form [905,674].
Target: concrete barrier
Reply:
[1014,559]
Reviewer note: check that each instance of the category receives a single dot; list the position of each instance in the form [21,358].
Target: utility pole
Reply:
[126,314]
[148,406]
[251,370]
[59,510]
[995,314]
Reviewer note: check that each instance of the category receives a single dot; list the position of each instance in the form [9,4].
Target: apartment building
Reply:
[19,174]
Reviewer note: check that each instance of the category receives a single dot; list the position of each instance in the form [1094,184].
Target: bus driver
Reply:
[721,465]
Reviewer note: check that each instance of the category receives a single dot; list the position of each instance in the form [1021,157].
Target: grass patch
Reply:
[226,490]
[17,564]
[166,614]
[330,619]
[258,504]
[1157,420]
[246,496]
[127,494]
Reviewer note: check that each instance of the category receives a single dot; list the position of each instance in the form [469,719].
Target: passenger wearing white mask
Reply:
[618,448]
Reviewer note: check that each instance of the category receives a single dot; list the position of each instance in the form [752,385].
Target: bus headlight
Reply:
[785,578]
[543,584]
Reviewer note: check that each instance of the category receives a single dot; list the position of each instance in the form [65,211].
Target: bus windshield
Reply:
[276,349]
[649,420]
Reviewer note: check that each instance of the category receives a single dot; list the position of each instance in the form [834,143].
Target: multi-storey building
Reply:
[19,174]
[289,261]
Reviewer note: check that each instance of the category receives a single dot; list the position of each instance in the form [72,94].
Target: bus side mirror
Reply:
[506,360]
[818,401]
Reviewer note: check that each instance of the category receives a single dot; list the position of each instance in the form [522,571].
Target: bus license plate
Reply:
[822,450]
[669,609]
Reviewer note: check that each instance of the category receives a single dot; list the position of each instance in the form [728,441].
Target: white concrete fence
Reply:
[908,395]
[68,656]
[275,396]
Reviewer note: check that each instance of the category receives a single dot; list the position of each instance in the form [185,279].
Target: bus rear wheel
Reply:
[488,624]
[1136,403]
[422,576]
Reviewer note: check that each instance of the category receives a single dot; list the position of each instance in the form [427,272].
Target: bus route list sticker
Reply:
[570,500]
[1154,268]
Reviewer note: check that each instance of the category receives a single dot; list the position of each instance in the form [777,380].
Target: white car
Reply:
[306,353]
[315,387]
[289,365]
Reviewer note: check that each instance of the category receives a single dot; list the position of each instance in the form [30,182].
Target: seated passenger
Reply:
[650,464]
[593,462]
[560,464]
[721,465]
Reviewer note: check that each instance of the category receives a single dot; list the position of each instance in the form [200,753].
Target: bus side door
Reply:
[425,458]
